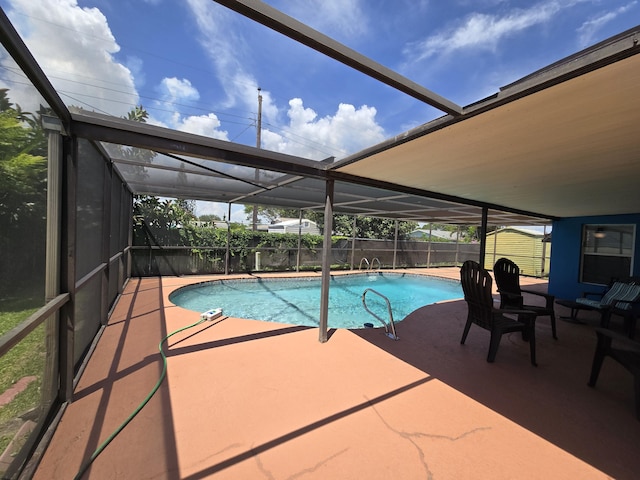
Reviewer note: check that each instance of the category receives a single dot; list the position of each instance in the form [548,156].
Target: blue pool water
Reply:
[297,301]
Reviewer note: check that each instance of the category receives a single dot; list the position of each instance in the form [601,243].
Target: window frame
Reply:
[605,229]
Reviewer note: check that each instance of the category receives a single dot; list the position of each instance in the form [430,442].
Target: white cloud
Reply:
[75,48]
[136,67]
[206,125]
[590,28]
[342,18]
[174,90]
[176,94]
[484,31]
[347,131]
[221,37]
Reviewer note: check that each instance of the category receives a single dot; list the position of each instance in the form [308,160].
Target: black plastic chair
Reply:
[477,287]
[507,275]
[623,350]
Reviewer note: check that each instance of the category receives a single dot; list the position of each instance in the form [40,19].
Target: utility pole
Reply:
[258,145]
[259,129]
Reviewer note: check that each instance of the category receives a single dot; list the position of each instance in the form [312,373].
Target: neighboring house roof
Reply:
[443,234]
[546,237]
[291,225]
[290,221]
[524,231]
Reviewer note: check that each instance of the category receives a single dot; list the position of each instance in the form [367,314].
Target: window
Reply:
[607,252]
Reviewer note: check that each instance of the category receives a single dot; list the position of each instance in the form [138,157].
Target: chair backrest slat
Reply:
[477,287]
[621,295]
[617,289]
[507,275]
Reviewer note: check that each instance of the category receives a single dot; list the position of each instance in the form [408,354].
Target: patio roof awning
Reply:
[563,142]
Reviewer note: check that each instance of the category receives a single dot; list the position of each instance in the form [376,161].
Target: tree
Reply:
[209,218]
[23,195]
[372,227]
[138,114]
[157,221]
[189,207]
[467,233]
[270,214]
[366,227]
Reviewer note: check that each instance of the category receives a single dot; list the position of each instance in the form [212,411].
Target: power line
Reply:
[288,135]
[137,95]
[306,142]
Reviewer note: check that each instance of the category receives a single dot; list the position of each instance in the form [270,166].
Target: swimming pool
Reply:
[297,300]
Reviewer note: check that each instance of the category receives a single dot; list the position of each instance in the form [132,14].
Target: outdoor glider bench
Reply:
[621,298]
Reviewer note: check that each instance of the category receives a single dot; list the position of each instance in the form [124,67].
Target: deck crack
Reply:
[269,475]
[412,437]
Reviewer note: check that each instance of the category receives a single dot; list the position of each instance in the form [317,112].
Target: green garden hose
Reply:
[104,444]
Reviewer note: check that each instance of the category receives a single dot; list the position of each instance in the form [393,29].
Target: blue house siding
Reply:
[564,271]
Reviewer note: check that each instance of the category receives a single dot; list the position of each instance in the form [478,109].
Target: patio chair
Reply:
[629,317]
[507,275]
[620,298]
[623,350]
[477,286]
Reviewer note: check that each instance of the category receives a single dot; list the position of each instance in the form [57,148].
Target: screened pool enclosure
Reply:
[68,199]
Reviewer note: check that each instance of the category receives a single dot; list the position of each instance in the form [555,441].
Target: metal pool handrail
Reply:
[364,259]
[392,325]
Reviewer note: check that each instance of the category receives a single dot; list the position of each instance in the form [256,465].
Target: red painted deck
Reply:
[245,399]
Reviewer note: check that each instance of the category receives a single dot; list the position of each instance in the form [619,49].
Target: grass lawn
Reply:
[25,359]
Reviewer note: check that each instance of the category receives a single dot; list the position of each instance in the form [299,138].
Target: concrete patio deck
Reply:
[245,399]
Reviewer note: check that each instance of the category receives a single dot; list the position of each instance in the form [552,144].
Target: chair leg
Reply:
[605,318]
[532,343]
[553,325]
[598,358]
[465,332]
[630,325]
[636,387]
[494,343]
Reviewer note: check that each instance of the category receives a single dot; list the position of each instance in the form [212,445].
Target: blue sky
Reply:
[196,66]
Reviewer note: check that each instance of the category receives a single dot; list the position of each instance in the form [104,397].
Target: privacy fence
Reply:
[152,260]
[255,252]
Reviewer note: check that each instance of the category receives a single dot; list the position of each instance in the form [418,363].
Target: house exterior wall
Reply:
[564,278]
[525,249]
[294,226]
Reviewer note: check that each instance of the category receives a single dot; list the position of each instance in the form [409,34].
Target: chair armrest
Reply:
[508,311]
[548,297]
[595,294]
[635,305]
[509,294]
[617,337]
[510,300]
[533,292]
